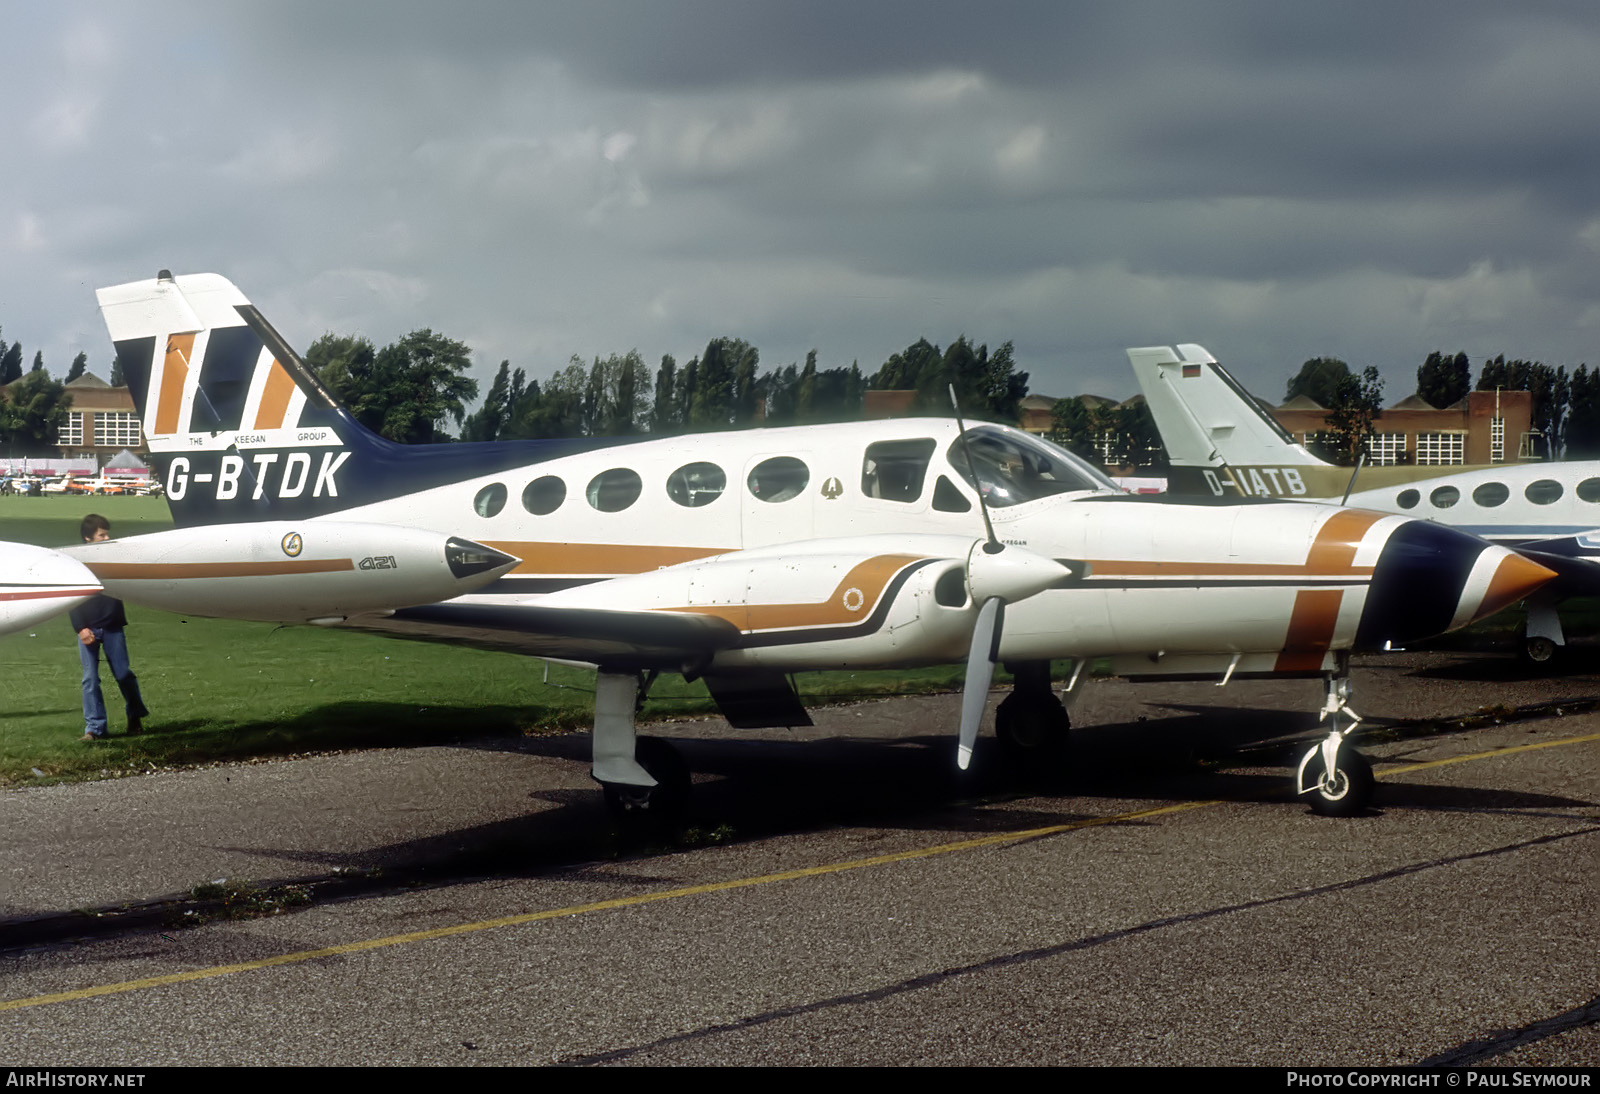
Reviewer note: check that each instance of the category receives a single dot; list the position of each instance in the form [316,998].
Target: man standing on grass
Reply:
[99,622]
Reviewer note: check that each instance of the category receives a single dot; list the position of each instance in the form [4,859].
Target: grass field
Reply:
[226,690]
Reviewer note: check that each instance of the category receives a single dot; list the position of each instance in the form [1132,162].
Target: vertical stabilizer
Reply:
[239,427]
[1219,439]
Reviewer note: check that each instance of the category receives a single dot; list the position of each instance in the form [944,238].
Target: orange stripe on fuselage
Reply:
[1311,624]
[1316,611]
[867,579]
[46,594]
[274,398]
[177,571]
[174,371]
[597,558]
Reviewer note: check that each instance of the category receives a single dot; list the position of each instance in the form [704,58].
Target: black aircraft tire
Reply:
[668,800]
[1538,650]
[1353,788]
[1030,729]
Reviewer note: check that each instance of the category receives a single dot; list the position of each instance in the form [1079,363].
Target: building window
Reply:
[1497,440]
[72,429]
[1386,449]
[1441,449]
[115,429]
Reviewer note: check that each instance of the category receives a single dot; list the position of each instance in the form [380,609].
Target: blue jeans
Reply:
[115,644]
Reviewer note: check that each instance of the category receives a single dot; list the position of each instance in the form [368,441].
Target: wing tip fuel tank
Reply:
[278,571]
[37,583]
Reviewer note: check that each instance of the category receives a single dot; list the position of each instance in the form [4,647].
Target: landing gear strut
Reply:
[641,776]
[1031,723]
[1335,779]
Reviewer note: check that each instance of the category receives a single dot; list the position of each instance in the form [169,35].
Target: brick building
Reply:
[1485,427]
[100,423]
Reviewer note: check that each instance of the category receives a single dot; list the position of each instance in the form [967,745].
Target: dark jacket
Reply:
[99,613]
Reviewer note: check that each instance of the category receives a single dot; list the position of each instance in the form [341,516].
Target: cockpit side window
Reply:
[1009,468]
[895,470]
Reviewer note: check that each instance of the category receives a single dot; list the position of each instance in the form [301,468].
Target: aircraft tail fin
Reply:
[1209,422]
[240,428]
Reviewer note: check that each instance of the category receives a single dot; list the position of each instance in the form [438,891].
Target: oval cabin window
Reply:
[696,484]
[544,495]
[614,490]
[1491,494]
[490,500]
[778,479]
[1444,497]
[1543,491]
[1407,499]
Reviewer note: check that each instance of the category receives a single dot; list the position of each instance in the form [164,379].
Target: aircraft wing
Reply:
[625,640]
[846,600]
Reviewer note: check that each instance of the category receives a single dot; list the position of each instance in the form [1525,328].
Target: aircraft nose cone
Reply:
[1431,578]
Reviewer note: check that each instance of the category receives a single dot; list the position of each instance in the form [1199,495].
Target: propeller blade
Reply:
[980,670]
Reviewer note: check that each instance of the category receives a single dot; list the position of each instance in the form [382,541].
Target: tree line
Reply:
[413,389]
[410,390]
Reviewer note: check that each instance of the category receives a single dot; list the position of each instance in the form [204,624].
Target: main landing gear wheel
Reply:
[667,801]
[1030,728]
[1347,793]
[1539,650]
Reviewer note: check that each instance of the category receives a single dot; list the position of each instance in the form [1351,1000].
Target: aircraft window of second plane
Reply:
[1543,491]
[1491,494]
[1589,490]
[1444,497]
[1407,499]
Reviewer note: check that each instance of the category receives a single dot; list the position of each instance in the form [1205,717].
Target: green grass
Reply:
[230,690]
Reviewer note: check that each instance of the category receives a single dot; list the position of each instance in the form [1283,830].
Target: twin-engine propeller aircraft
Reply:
[1223,444]
[36,583]
[740,557]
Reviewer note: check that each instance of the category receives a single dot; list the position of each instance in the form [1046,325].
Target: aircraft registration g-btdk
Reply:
[740,557]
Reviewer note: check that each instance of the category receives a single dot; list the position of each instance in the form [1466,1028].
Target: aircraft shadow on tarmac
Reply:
[749,788]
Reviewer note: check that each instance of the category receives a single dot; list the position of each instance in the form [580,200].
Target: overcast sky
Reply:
[1273,180]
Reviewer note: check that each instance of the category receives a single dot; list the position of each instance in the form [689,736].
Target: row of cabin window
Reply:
[1491,494]
[894,472]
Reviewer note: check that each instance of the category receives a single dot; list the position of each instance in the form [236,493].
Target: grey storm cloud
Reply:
[1372,181]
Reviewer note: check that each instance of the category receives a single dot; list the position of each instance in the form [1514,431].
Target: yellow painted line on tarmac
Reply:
[598,906]
[996,840]
[1406,769]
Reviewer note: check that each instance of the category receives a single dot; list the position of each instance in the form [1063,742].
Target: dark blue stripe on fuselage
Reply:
[1416,584]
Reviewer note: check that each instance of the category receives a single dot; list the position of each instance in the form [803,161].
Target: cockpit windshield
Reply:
[1013,467]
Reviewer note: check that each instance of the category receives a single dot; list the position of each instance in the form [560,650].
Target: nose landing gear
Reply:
[1336,780]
